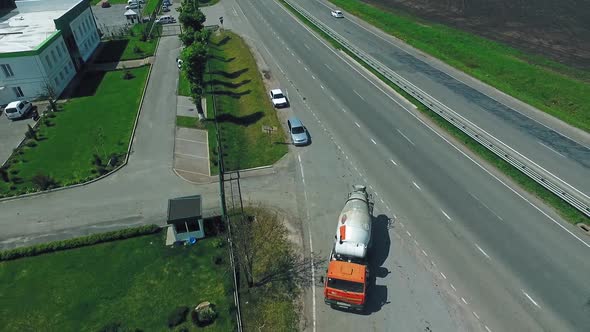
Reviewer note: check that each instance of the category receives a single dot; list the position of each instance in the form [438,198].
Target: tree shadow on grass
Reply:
[222,42]
[232,94]
[111,51]
[229,84]
[219,58]
[88,84]
[241,120]
[231,75]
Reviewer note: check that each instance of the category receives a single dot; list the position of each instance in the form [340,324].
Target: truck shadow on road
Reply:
[381,243]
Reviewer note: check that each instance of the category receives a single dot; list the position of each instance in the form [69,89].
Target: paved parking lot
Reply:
[110,20]
[11,133]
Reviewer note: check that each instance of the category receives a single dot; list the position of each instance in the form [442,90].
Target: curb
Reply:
[5,199]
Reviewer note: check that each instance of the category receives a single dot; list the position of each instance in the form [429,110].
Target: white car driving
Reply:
[278,98]
[337,14]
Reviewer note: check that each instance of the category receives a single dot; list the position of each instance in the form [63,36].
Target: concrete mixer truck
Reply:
[345,283]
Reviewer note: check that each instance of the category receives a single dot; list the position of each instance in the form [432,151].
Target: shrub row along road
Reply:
[504,258]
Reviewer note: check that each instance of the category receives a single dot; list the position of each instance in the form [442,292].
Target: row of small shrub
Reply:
[77,242]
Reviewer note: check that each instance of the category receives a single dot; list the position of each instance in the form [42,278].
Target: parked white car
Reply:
[337,14]
[278,98]
[18,109]
[135,1]
[179,63]
[166,19]
[132,6]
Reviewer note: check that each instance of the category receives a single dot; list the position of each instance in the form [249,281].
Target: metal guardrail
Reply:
[551,182]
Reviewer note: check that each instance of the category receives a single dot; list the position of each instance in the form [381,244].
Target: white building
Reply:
[44,43]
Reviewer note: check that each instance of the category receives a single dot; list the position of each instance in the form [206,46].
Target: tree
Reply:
[265,253]
[48,92]
[187,37]
[194,58]
[191,17]
[43,182]
[4,174]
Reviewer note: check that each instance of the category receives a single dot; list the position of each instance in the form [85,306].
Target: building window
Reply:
[7,70]
[59,53]
[56,81]
[18,92]
[67,69]
[48,61]
[61,75]
[53,56]
[63,48]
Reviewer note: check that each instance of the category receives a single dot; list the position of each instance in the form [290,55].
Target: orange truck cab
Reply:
[346,285]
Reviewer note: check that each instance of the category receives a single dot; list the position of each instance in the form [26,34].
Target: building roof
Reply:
[31,23]
[130,12]
[184,208]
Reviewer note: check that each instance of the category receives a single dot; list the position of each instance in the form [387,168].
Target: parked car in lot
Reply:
[166,19]
[105,4]
[165,8]
[179,63]
[337,14]
[297,131]
[18,109]
[135,1]
[167,3]
[278,98]
[132,6]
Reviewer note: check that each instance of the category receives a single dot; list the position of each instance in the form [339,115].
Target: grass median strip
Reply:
[243,107]
[98,120]
[568,212]
[556,89]
[134,284]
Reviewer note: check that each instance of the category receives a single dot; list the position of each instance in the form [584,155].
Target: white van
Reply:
[166,19]
[17,109]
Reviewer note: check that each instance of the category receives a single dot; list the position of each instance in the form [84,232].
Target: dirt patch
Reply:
[559,30]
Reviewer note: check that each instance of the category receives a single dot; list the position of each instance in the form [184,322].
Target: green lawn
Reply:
[242,105]
[184,88]
[99,121]
[128,47]
[554,88]
[136,282]
[189,122]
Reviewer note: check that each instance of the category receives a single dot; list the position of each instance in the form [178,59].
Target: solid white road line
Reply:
[406,137]
[483,252]
[446,215]
[550,148]
[358,94]
[530,298]
[310,247]
[330,68]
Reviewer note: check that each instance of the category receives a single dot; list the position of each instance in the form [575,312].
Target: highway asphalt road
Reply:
[560,149]
[510,261]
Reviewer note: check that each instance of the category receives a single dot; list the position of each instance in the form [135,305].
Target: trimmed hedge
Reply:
[77,242]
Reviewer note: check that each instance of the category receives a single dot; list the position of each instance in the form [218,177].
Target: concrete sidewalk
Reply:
[191,147]
[120,65]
